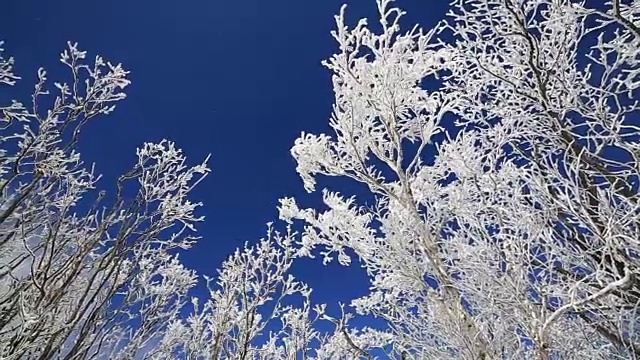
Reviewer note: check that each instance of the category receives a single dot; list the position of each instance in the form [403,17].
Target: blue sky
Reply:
[239,79]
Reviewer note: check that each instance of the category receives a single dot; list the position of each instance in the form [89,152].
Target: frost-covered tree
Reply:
[82,274]
[256,309]
[502,147]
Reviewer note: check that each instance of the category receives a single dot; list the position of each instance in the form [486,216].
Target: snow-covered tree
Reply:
[256,309]
[82,274]
[502,147]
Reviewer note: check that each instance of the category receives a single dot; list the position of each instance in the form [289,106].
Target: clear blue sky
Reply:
[239,79]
